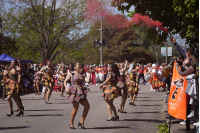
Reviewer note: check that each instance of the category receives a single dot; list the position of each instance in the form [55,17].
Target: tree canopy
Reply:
[7,45]
[39,27]
[123,44]
[180,17]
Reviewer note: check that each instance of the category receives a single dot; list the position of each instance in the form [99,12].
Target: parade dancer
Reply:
[155,81]
[36,82]
[110,91]
[13,88]
[122,87]
[47,80]
[3,81]
[132,86]
[61,78]
[77,94]
[20,90]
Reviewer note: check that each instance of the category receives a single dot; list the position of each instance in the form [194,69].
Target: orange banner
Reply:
[177,104]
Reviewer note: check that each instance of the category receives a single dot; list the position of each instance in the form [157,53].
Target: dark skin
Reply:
[48,90]
[15,97]
[60,71]
[84,102]
[4,90]
[123,68]
[109,102]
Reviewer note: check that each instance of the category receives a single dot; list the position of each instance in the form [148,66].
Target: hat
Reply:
[153,65]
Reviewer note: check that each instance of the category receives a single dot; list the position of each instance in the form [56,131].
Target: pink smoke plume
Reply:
[138,18]
[100,8]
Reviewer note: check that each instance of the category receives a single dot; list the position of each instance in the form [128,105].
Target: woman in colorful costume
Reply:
[13,88]
[155,80]
[77,94]
[36,82]
[133,86]
[47,79]
[121,86]
[3,81]
[61,78]
[110,91]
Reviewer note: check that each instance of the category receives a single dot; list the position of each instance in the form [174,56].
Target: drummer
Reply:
[167,73]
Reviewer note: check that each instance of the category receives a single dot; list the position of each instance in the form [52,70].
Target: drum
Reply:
[166,72]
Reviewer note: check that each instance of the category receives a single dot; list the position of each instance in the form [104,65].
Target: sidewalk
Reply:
[175,123]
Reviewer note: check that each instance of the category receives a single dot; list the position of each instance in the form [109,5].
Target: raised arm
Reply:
[125,67]
[58,68]
[18,68]
[179,49]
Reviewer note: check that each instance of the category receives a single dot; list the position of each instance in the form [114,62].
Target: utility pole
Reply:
[101,48]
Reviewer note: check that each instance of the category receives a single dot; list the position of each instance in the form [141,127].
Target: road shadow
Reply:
[144,120]
[46,115]
[33,99]
[148,105]
[143,97]
[149,100]
[63,103]
[142,112]
[115,127]
[20,127]
[46,110]
[64,98]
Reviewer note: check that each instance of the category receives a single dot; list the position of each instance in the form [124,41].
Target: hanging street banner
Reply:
[169,51]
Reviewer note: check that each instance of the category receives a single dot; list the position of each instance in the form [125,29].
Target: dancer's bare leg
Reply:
[38,88]
[19,105]
[9,97]
[62,88]
[45,92]
[34,86]
[124,97]
[111,108]
[86,106]
[73,114]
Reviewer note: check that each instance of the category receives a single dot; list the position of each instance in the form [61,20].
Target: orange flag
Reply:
[177,103]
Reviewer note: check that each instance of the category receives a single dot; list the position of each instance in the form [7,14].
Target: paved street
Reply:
[54,118]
